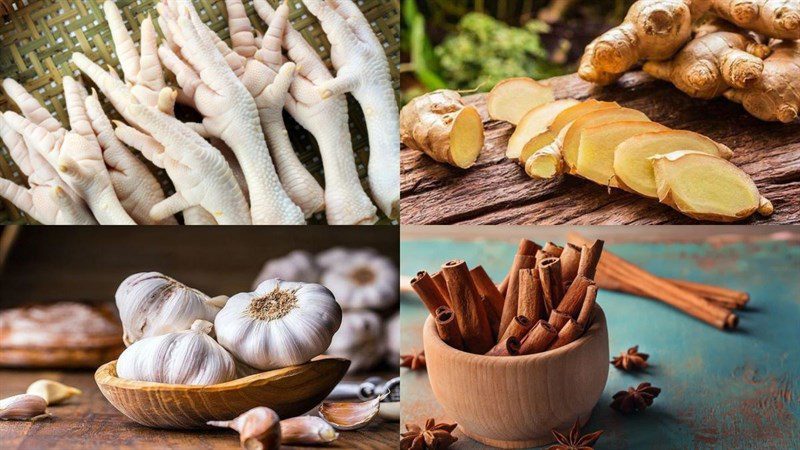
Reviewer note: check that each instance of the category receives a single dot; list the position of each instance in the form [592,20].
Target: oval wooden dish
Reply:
[290,391]
[514,401]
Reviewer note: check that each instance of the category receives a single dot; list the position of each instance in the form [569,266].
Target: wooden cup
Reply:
[290,391]
[514,401]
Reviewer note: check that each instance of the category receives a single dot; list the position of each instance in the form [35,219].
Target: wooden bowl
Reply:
[290,391]
[514,401]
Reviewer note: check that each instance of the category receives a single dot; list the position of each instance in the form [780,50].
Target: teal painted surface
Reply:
[721,390]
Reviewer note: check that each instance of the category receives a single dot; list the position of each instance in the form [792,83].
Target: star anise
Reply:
[574,441]
[635,400]
[631,360]
[434,436]
[414,361]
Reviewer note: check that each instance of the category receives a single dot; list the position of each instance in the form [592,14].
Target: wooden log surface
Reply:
[496,190]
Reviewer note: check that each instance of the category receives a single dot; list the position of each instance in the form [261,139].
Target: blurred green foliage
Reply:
[483,51]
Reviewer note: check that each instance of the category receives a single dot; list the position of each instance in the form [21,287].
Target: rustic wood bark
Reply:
[496,190]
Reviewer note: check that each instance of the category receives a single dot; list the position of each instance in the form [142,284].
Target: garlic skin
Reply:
[360,278]
[23,407]
[307,430]
[183,357]
[280,324]
[360,339]
[259,428]
[392,337]
[347,416]
[51,391]
[298,265]
[152,304]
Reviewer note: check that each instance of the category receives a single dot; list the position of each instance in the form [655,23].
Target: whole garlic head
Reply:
[152,304]
[298,265]
[280,324]
[360,340]
[360,278]
[392,336]
[182,357]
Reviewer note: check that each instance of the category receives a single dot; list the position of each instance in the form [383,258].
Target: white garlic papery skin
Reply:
[280,324]
[152,304]
[360,339]
[182,357]
[298,265]
[361,278]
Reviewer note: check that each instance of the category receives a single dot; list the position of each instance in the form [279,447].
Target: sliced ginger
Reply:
[634,171]
[597,144]
[707,187]
[440,125]
[529,139]
[511,99]
[534,123]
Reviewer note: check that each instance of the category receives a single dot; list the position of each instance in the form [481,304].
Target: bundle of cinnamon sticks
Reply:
[546,301]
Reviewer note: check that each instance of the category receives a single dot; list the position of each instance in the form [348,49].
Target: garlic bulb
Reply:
[360,340]
[181,357]
[152,304]
[281,324]
[392,336]
[23,407]
[360,278]
[298,265]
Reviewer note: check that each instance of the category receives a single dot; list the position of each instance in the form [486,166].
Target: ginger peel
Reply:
[778,19]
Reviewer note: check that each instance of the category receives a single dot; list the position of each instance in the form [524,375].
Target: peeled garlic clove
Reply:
[23,407]
[51,391]
[259,428]
[390,411]
[350,415]
[307,430]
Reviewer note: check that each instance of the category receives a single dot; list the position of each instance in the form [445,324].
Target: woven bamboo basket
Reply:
[37,38]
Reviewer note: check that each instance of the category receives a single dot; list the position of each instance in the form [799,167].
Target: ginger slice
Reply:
[511,99]
[441,126]
[634,171]
[597,144]
[526,141]
[534,123]
[707,187]
[571,142]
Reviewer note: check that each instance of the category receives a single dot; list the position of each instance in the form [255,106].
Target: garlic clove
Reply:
[218,301]
[390,411]
[51,391]
[23,407]
[307,430]
[350,415]
[259,428]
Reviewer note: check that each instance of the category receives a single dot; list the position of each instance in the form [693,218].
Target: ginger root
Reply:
[633,170]
[512,98]
[709,65]
[778,19]
[535,122]
[440,125]
[707,187]
[776,95]
[652,30]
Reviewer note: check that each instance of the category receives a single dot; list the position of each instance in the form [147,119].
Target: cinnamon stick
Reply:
[552,285]
[573,298]
[728,297]
[587,309]
[590,257]
[538,338]
[531,299]
[467,307]
[519,328]
[558,319]
[508,347]
[552,249]
[570,259]
[494,319]
[511,302]
[442,285]
[571,331]
[527,248]
[488,289]
[447,327]
[540,255]
[427,291]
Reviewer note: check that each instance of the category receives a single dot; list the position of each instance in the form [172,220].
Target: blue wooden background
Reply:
[720,390]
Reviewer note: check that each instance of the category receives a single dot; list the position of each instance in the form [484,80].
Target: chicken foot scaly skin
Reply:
[76,155]
[346,203]
[230,113]
[46,200]
[268,84]
[200,173]
[363,69]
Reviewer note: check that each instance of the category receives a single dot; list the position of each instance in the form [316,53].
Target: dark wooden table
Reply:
[496,190]
[89,422]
